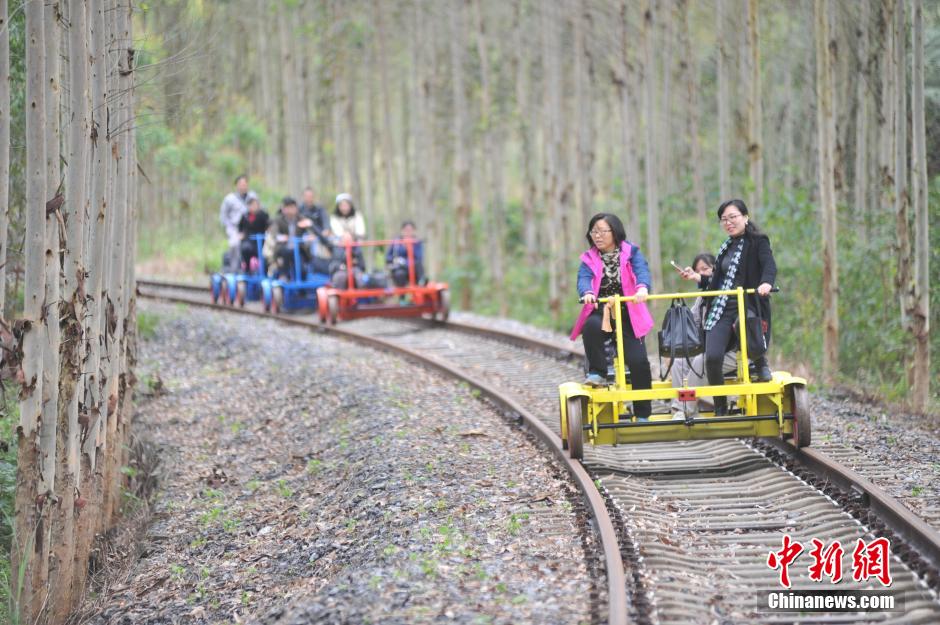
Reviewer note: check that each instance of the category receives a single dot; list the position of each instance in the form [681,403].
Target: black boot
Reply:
[721,406]
[764,374]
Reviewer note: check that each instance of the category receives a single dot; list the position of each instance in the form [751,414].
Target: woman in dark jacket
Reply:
[614,266]
[255,221]
[746,260]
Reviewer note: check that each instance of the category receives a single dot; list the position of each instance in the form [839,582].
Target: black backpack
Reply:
[681,335]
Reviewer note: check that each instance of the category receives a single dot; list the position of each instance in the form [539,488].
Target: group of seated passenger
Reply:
[320,240]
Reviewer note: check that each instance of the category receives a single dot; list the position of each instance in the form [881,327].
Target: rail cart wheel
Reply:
[575,433]
[332,305]
[443,306]
[277,300]
[799,403]
[321,304]
[223,292]
[214,288]
[241,293]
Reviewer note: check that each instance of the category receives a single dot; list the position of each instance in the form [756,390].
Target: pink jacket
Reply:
[640,317]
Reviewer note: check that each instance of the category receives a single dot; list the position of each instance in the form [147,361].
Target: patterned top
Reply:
[610,281]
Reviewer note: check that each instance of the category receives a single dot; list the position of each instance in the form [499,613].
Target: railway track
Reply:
[685,527]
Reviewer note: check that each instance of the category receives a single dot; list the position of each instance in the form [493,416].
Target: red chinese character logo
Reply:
[828,561]
[872,560]
[783,558]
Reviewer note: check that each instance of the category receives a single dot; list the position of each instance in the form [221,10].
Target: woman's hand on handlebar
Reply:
[764,289]
[641,294]
[589,298]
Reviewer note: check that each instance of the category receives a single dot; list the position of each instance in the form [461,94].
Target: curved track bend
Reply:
[695,520]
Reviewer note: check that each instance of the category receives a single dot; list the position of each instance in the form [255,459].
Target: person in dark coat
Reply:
[308,207]
[255,221]
[315,217]
[286,228]
[746,260]
[396,258]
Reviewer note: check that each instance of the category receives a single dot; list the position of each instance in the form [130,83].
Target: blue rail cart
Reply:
[298,292]
[247,285]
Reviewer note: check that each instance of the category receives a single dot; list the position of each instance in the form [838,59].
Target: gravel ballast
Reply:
[313,481]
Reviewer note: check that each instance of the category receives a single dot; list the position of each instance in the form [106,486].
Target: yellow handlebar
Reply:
[687,295]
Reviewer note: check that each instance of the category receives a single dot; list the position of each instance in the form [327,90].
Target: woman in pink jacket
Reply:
[611,266]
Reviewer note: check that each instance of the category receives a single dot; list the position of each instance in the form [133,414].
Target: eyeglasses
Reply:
[728,219]
[597,233]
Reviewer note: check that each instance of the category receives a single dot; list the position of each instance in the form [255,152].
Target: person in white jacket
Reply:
[345,220]
[233,207]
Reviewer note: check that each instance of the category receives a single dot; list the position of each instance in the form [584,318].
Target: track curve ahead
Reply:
[721,498]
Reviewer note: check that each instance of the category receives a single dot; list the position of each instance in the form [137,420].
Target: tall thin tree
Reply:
[461,122]
[4,151]
[825,130]
[920,302]
[32,494]
[755,148]
[651,165]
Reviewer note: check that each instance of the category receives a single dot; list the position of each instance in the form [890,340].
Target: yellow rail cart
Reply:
[602,416]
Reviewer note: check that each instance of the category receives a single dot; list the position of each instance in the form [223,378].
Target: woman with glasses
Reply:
[614,266]
[746,260]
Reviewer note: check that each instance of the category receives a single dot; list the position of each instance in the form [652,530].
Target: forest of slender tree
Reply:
[500,127]
[67,231]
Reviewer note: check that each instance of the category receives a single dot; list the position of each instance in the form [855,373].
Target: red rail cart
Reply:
[347,301]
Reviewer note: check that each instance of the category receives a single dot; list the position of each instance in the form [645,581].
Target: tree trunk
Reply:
[371,189]
[661,16]
[271,168]
[295,133]
[905,277]
[888,102]
[627,85]
[920,308]
[129,315]
[524,105]
[50,368]
[91,415]
[425,147]
[724,109]
[825,129]
[493,206]
[4,152]
[690,65]
[862,108]
[392,201]
[352,130]
[584,98]
[461,150]
[117,295]
[71,312]
[754,109]
[651,166]
[789,109]
[32,493]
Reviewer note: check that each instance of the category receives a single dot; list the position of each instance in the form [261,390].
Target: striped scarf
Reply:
[714,313]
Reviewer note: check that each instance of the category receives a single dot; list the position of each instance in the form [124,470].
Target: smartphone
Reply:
[677,267]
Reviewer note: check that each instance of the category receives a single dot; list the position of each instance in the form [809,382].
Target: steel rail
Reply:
[616,579]
[902,521]
[548,348]
[916,534]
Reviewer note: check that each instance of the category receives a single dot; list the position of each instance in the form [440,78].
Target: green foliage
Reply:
[8,448]
[147,324]
[187,254]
